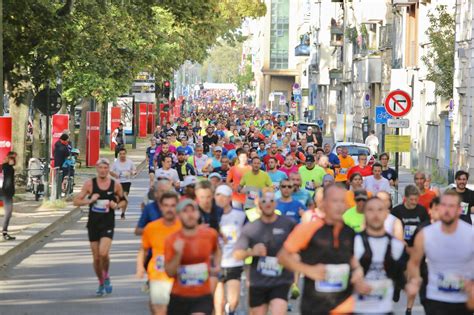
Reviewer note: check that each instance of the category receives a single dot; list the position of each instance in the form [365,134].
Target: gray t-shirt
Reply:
[265,271]
[124,170]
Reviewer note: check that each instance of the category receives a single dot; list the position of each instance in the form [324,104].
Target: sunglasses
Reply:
[357,200]
[286,186]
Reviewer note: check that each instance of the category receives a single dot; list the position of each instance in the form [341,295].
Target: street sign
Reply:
[367,101]
[297,97]
[398,103]
[296,86]
[271,97]
[305,92]
[381,115]
[293,104]
[398,123]
[396,143]
[282,99]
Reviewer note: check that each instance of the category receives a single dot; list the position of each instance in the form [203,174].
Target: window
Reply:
[279,34]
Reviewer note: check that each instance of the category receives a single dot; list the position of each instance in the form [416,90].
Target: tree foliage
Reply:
[97,47]
[222,64]
[439,59]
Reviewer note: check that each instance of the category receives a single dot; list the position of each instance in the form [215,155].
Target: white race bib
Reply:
[192,275]
[101,206]
[450,283]
[343,171]
[408,231]
[464,208]
[230,232]
[269,266]
[336,280]
[310,186]
[381,291]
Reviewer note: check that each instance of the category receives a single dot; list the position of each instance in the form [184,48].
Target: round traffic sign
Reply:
[398,103]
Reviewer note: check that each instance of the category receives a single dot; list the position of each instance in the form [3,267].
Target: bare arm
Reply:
[122,204]
[413,266]
[81,198]
[139,231]
[141,262]
[398,230]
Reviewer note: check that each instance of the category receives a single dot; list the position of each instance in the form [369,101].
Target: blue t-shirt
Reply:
[333,159]
[266,132]
[277,176]
[302,196]
[215,163]
[290,209]
[187,149]
[150,213]
[262,153]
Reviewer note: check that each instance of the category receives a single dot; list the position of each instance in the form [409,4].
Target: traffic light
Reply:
[166,89]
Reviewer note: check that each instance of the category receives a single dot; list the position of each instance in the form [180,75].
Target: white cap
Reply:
[189,180]
[224,190]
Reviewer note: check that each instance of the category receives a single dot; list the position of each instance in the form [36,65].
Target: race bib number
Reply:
[337,278]
[101,206]
[380,290]
[464,208]
[408,231]
[230,233]
[160,263]
[251,196]
[310,186]
[269,266]
[343,171]
[450,283]
[192,275]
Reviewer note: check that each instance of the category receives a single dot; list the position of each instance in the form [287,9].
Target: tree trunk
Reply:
[102,109]
[82,138]
[39,148]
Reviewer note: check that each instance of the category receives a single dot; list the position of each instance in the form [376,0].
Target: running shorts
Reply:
[126,187]
[160,292]
[231,273]
[188,305]
[442,308]
[261,295]
[96,233]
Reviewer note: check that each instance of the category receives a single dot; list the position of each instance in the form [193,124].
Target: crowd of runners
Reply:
[242,200]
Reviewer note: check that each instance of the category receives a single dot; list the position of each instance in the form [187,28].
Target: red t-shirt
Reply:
[426,199]
[280,159]
[366,171]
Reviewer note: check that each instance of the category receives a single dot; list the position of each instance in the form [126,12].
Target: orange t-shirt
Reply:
[426,199]
[341,172]
[192,279]
[154,236]
[233,177]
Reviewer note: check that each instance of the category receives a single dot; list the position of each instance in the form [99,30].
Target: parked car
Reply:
[356,149]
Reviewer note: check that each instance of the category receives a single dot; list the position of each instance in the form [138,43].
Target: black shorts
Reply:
[442,308]
[95,233]
[188,305]
[151,170]
[260,295]
[126,187]
[231,273]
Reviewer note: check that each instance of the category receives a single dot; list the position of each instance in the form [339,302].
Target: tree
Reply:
[223,63]
[439,59]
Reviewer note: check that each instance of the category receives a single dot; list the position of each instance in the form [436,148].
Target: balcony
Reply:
[368,70]
[335,74]
[386,37]
[404,2]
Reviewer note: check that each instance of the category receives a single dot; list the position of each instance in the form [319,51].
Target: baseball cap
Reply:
[181,151]
[218,148]
[224,190]
[184,203]
[189,180]
[310,158]
[102,161]
[360,194]
[328,177]
[215,175]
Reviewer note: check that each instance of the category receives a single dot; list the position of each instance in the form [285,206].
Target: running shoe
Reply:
[108,286]
[100,290]
[294,291]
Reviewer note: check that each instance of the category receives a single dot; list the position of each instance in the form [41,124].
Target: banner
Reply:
[5,137]
[60,125]
[93,138]
[142,108]
[114,120]
[151,118]
[127,105]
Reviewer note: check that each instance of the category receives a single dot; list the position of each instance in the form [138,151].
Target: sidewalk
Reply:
[31,222]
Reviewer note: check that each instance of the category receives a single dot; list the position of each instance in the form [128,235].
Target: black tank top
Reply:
[329,245]
[100,214]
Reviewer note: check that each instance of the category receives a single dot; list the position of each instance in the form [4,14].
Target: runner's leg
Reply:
[260,310]
[219,299]
[96,261]
[233,294]
[278,307]
[104,248]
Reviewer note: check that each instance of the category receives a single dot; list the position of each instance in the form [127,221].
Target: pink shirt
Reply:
[288,171]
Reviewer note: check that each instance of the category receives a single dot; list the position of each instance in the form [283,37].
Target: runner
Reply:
[381,257]
[426,196]
[393,225]
[300,194]
[118,138]
[333,159]
[346,163]
[276,176]
[362,168]
[211,214]
[224,168]
[326,251]
[153,239]
[311,175]
[287,205]
[387,172]
[103,195]
[230,227]
[182,167]
[123,169]
[189,255]
[354,217]
[252,182]
[467,196]
[166,171]
[289,166]
[198,160]
[376,182]
[449,265]
[262,239]
[150,155]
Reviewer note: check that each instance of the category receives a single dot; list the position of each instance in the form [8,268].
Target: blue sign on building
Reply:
[381,115]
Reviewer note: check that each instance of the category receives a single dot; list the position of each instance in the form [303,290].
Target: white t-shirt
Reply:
[376,185]
[199,163]
[230,226]
[379,299]
[373,143]
[124,170]
[171,174]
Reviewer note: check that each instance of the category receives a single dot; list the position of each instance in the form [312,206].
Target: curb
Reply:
[15,252]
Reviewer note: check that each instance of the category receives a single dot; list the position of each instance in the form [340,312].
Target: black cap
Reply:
[310,158]
[360,195]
